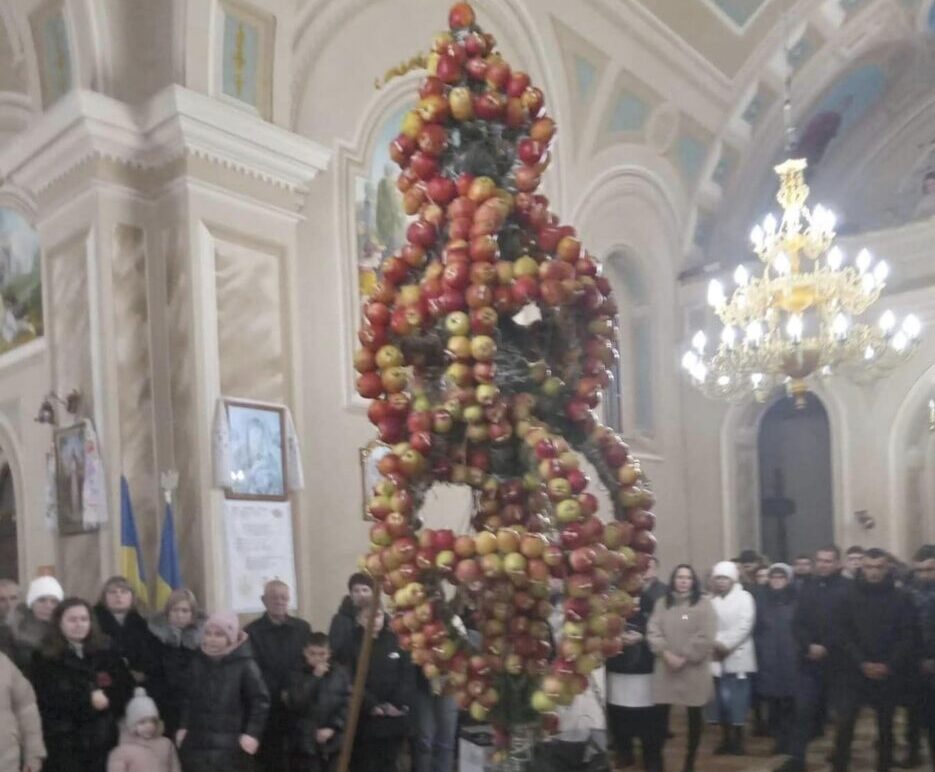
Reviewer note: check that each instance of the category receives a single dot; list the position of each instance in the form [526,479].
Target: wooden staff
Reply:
[360,680]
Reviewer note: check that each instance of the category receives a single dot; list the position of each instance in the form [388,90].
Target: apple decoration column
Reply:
[467,390]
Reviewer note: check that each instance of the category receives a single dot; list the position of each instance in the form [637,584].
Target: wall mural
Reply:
[20,282]
[53,53]
[241,52]
[380,223]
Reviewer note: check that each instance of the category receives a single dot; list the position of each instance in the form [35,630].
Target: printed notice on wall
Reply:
[259,548]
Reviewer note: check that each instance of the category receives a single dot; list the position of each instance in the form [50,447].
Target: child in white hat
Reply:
[142,747]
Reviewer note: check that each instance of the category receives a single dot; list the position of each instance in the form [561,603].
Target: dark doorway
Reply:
[9,554]
[797,512]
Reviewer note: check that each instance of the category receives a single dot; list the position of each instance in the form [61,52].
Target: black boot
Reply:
[725,746]
[689,765]
[736,745]
[791,765]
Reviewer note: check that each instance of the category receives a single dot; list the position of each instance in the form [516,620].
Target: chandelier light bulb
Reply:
[835,258]
[794,327]
[831,219]
[887,321]
[912,326]
[899,342]
[700,372]
[699,341]
[869,353]
[729,336]
[863,260]
[782,264]
[741,276]
[689,360]
[880,271]
[754,333]
[723,380]
[757,236]
[769,224]
[756,379]
[867,283]
[839,327]
[716,297]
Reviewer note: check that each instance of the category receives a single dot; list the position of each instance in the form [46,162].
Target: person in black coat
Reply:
[82,688]
[776,653]
[177,630]
[316,697]
[812,631]
[344,624]
[629,675]
[277,640]
[921,681]
[226,704]
[128,632]
[872,644]
[389,693]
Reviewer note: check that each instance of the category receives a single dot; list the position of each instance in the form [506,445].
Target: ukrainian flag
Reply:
[131,559]
[168,574]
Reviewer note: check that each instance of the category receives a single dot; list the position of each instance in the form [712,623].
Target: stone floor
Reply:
[759,760]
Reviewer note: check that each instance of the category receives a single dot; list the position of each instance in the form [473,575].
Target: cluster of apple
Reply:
[435,351]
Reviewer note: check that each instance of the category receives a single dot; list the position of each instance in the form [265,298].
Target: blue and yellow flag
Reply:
[131,559]
[168,574]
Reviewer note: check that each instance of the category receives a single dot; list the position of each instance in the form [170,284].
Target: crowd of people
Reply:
[101,688]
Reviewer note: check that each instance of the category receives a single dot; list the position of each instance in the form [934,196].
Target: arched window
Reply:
[629,400]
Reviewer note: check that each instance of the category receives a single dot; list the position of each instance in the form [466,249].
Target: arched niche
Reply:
[13,526]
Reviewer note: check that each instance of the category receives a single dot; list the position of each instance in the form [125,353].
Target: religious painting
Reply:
[257,451]
[245,55]
[842,106]
[53,52]
[69,478]
[380,223]
[370,456]
[20,282]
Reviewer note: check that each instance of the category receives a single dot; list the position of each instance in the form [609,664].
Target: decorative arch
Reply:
[12,449]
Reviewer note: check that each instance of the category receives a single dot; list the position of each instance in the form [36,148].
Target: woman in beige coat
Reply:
[20,725]
[681,634]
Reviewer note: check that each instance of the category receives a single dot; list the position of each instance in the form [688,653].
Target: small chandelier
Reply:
[801,320]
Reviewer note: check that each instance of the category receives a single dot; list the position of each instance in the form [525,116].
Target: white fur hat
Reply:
[140,708]
[42,586]
[726,568]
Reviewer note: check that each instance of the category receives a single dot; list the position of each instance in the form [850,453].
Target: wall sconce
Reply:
[932,415]
[47,414]
[864,519]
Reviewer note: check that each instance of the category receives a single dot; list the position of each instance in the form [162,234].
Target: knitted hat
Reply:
[783,567]
[140,708]
[226,621]
[42,586]
[726,568]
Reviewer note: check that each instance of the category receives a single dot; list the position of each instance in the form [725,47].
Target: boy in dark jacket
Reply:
[389,693]
[344,624]
[316,699]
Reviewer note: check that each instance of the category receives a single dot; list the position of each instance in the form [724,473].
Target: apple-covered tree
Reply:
[486,344]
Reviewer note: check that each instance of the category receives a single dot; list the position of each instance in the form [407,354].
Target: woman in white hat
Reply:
[734,659]
[32,620]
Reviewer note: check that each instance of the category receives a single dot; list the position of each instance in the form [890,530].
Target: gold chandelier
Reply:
[800,320]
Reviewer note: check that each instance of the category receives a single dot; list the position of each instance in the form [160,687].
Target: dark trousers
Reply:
[926,712]
[307,762]
[812,693]
[648,725]
[694,731]
[272,755]
[848,700]
[375,755]
[781,720]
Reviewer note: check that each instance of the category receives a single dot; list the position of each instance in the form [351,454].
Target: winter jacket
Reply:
[226,698]
[736,615]
[20,725]
[923,603]
[78,737]
[390,679]
[873,623]
[277,649]
[775,643]
[651,595]
[686,631]
[174,651]
[134,754]
[812,622]
[28,634]
[131,640]
[636,659]
[315,703]
[341,634]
